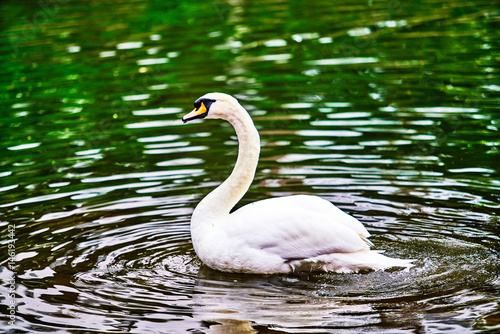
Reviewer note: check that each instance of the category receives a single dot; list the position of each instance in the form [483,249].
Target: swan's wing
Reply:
[288,227]
[321,205]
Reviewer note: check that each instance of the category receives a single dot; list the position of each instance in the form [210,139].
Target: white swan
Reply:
[277,235]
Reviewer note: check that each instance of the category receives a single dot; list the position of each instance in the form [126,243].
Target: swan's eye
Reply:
[205,102]
[201,109]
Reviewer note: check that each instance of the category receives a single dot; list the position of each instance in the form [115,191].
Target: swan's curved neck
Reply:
[222,199]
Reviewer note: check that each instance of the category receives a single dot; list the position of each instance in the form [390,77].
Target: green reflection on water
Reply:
[389,109]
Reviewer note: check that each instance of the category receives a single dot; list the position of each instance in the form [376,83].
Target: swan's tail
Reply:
[350,262]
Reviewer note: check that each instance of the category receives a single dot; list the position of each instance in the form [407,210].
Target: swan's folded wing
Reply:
[292,232]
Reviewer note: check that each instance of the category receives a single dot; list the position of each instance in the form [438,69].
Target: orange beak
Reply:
[201,112]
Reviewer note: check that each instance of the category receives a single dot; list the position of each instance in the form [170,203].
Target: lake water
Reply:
[388,109]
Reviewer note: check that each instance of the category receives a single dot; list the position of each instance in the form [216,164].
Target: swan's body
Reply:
[277,235]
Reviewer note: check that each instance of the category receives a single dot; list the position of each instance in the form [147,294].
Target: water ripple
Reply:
[385,110]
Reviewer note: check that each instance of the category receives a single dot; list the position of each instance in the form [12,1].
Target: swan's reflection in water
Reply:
[225,326]
[238,304]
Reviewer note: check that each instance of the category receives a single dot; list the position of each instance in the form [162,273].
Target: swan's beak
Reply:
[201,112]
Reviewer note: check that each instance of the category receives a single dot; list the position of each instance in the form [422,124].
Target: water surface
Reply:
[387,109]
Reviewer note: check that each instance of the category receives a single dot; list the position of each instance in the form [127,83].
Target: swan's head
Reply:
[213,105]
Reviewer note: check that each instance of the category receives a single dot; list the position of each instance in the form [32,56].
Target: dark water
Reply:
[388,109]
